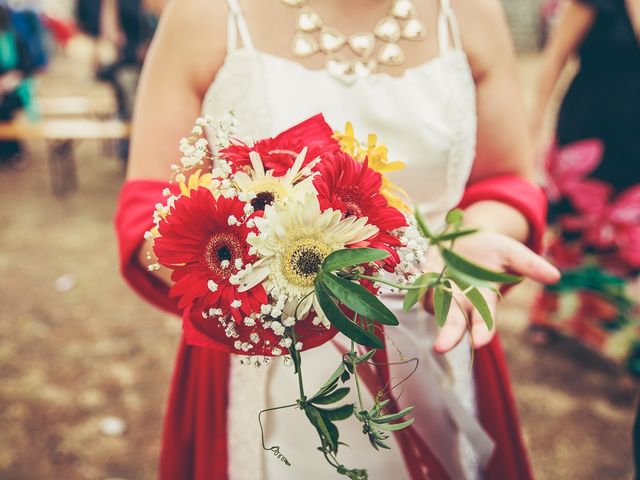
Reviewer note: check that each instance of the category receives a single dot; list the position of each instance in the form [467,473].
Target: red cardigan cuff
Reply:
[526,197]
[134,216]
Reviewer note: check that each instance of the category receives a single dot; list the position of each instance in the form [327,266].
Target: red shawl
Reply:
[194,444]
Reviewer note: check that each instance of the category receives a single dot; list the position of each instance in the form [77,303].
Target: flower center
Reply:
[302,260]
[349,193]
[351,196]
[353,209]
[221,250]
[224,253]
[262,199]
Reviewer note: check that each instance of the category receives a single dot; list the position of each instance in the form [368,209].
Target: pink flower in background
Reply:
[567,169]
[610,225]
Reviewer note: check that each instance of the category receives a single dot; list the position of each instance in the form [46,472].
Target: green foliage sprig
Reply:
[340,295]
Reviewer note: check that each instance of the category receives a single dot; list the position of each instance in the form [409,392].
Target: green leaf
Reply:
[395,426]
[366,357]
[426,281]
[422,224]
[350,257]
[337,414]
[330,398]
[334,434]
[460,277]
[469,268]
[333,379]
[333,313]
[477,300]
[445,237]
[441,302]
[358,299]
[313,414]
[393,416]
[378,407]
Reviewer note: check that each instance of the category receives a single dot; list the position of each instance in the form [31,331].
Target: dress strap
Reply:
[237,27]
[448,31]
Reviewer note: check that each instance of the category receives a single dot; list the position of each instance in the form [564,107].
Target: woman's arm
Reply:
[576,18]
[503,148]
[183,59]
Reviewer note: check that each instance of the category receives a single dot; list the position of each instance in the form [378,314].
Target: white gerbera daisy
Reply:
[265,189]
[292,243]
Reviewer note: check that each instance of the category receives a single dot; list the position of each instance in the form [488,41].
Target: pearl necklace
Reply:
[312,37]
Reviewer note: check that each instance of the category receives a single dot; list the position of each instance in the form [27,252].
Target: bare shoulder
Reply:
[485,33]
[193,32]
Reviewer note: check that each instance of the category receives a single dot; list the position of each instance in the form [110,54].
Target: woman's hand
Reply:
[497,252]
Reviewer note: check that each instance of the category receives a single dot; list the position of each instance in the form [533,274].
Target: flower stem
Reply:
[294,352]
[355,374]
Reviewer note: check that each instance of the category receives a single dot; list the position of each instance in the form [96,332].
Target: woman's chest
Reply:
[426,118]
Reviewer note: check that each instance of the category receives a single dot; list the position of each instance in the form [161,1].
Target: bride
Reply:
[436,81]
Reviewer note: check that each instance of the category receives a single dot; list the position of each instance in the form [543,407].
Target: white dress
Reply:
[427,118]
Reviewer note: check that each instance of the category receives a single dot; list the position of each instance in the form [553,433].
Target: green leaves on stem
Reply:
[336,294]
[467,275]
[339,320]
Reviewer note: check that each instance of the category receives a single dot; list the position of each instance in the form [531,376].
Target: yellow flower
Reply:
[347,140]
[396,196]
[195,180]
[377,157]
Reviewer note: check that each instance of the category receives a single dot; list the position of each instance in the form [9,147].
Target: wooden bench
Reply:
[64,107]
[60,136]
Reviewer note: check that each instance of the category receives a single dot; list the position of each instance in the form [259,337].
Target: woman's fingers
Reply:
[523,261]
[453,330]
[480,334]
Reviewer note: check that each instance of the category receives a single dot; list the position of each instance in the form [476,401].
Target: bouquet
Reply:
[278,245]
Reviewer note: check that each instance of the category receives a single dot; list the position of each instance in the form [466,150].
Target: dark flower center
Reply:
[302,260]
[224,253]
[307,261]
[261,200]
[220,253]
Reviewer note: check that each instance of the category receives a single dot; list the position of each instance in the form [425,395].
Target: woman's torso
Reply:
[427,118]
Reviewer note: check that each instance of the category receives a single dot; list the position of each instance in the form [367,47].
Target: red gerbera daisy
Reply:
[201,247]
[279,153]
[353,188]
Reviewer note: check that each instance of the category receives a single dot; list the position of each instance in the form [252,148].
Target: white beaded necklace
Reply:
[313,36]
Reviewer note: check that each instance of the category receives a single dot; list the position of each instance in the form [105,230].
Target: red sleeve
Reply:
[526,197]
[134,217]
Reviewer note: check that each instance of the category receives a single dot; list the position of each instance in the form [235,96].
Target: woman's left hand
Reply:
[497,252]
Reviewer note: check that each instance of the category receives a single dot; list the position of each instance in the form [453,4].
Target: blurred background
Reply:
[85,364]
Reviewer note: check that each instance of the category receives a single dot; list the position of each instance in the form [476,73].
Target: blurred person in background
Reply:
[129,25]
[593,176]
[16,67]
[593,179]
[449,105]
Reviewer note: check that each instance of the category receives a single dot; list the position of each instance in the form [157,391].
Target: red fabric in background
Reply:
[194,443]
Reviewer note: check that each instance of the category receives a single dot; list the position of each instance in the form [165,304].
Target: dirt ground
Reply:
[85,364]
